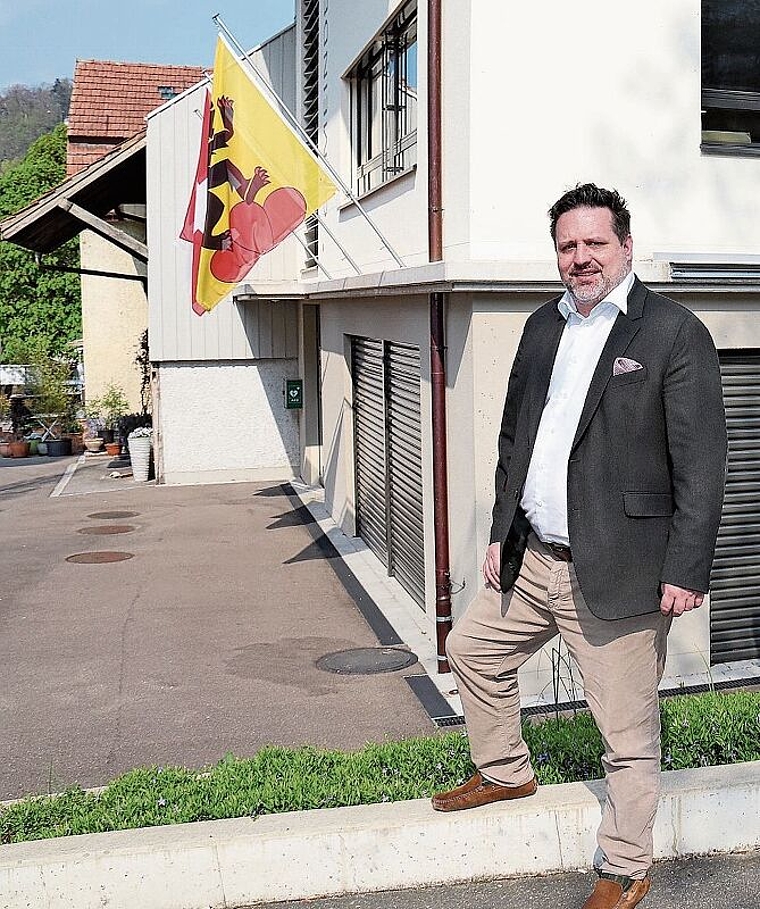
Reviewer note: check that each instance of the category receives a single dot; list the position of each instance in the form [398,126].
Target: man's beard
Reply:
[586,294]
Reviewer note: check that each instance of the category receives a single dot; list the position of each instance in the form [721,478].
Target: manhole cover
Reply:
[97,529]
[99,558]
[366,660]
[113,515]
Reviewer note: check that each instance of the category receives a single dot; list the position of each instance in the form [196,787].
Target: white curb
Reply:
[68,474]
[306,854]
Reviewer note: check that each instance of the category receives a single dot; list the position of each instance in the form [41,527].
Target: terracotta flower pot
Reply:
[18,449]
[113,448]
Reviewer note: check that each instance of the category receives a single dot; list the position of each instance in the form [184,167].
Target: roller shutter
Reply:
[370,462]
[735,581]
[388,458]
[407,555]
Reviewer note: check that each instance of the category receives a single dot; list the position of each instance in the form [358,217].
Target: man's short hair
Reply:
[589,195]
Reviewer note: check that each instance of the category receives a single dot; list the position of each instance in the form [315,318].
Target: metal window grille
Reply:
[385,103]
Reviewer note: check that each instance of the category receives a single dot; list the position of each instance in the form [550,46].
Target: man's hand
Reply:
[492,566]
[677,600]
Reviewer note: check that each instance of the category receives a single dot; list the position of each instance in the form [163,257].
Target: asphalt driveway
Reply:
[203,642]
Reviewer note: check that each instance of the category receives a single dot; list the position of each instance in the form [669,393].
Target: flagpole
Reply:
[308,141]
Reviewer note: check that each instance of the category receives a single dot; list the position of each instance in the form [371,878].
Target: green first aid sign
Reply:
[294,394]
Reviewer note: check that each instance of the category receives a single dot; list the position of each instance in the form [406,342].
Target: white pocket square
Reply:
[623,365]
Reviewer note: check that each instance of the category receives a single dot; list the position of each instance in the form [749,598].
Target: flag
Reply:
[255,183]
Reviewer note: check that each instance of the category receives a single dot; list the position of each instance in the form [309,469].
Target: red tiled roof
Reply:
[110,101]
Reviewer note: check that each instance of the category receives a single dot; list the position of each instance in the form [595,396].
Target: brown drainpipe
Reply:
[437,342]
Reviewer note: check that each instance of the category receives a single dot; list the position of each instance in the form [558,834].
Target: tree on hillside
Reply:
[36,303]
[27,112]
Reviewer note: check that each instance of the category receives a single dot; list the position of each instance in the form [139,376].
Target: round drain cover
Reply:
[111,515]
[99,558]
[366,660]
[106,529]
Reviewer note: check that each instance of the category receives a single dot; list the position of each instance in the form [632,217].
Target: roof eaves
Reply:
[15,224]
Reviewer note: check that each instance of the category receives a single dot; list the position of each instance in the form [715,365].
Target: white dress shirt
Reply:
[544,498]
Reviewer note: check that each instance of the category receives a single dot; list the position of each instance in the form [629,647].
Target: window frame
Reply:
[732,100]
[383,121]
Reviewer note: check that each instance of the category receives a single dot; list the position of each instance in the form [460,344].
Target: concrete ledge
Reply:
[305,854]
[228,475]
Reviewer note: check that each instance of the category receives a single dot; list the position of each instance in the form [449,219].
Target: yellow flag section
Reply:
[257,179]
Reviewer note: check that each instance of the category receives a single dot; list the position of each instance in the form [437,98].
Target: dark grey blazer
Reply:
[647,468]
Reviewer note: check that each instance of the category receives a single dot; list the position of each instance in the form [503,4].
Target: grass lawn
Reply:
[697,731]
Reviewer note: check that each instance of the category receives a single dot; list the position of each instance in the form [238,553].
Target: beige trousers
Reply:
[621,663]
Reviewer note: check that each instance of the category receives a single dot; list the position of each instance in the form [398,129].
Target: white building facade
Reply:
[643,99]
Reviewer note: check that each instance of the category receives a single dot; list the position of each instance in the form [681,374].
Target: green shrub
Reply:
[710,729]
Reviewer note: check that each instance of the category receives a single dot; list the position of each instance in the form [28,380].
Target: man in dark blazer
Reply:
[609,487]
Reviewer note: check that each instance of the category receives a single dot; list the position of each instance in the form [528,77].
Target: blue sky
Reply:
[41,39]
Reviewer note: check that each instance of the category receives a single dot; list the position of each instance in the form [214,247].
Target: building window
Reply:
[384,103]
[731,76]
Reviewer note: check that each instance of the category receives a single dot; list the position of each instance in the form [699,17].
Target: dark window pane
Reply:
[731,44]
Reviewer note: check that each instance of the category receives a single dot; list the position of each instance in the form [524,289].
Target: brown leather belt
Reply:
[560,552]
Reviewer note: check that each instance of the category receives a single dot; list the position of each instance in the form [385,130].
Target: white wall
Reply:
[534,101]
[114,316]
[223,422]
[610,95]
[400,207]
[392,319]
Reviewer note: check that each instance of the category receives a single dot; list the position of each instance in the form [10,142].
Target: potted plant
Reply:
[5,416]
[34,440]
[93,444]
[140,442]
[75,432]
[58,448]
[108,410]
[53,400]
[92,432]
[18,448]
[131,421]
[20,414]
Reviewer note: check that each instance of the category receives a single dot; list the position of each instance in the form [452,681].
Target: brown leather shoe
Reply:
[609,894]
[478,791]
